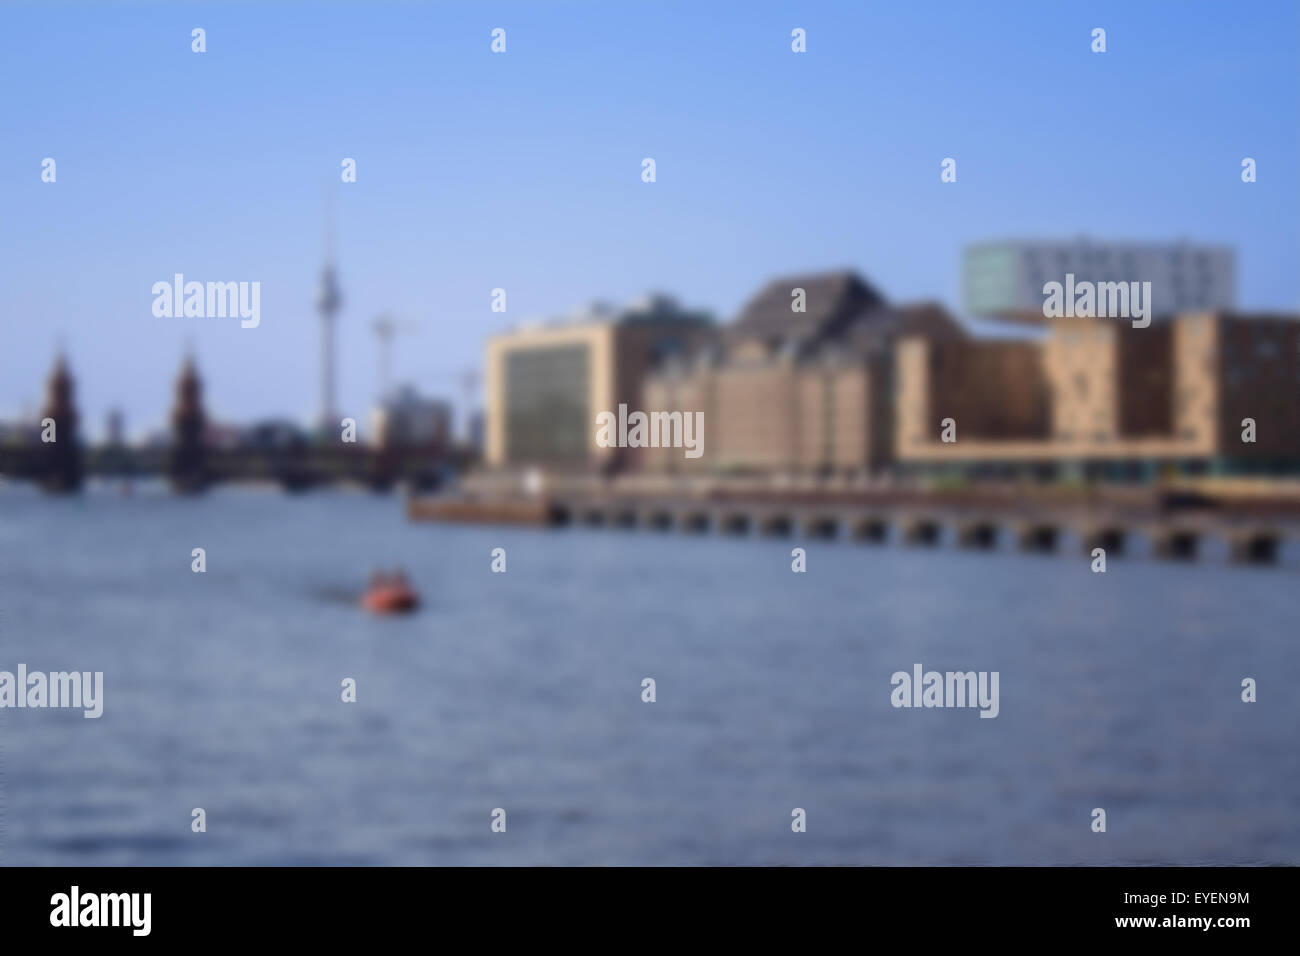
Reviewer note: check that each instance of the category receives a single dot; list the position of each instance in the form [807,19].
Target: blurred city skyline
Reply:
[522,171]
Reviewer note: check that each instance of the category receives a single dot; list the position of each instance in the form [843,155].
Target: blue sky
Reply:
[522,170]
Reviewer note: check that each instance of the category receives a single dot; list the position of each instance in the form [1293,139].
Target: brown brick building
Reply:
[801,382]
[1175,393]
[820,376]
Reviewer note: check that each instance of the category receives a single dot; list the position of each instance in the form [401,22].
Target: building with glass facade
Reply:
[546,382]
[1005,279]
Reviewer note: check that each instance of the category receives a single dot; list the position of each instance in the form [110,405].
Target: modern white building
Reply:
[1005,279]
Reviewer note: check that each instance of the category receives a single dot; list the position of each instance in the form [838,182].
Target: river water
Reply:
[523,691]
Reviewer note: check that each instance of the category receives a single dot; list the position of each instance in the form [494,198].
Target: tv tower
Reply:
[328,301]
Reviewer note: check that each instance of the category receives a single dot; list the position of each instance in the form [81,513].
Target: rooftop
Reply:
[832,300]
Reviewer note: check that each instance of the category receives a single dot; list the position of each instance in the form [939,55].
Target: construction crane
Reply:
[385,327]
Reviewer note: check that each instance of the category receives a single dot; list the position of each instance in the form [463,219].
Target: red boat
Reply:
[390,595]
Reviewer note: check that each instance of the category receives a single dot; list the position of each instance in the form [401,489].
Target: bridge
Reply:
[295,467]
